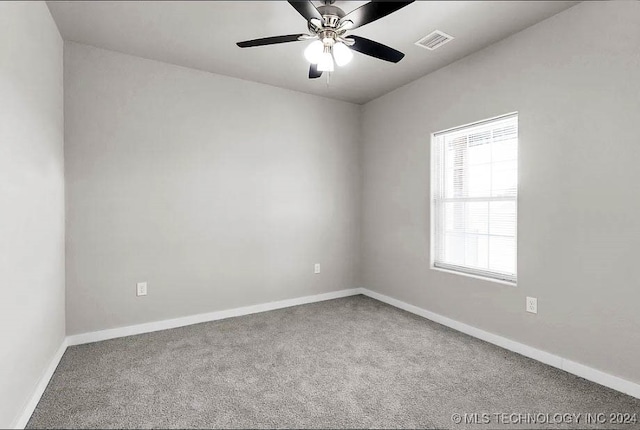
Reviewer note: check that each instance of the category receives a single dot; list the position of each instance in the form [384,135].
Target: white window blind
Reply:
[474,198]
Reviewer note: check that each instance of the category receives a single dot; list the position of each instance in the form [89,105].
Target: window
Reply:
[474,198]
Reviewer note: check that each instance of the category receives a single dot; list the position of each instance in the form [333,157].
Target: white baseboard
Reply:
[96,336]
[572,367]
[578,369]
[23,419]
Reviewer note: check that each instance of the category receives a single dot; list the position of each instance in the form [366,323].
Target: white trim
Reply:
[489,275]
[586,372]
[474,276]
[473,124]
[22,420]
[96,336]
[602,378]
[578,369]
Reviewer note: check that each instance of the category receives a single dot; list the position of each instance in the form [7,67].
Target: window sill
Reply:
[469,275]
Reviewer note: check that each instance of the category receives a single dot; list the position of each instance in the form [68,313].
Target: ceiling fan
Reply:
[327,27]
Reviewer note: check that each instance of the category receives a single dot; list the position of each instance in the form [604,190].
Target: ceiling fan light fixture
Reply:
[326,61]
[342,54]
[314,52]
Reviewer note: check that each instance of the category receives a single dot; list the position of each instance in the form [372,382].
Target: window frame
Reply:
[485,275]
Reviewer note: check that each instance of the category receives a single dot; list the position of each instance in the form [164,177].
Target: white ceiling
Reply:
[202,35]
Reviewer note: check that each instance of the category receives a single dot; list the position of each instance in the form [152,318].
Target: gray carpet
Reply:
[352,362]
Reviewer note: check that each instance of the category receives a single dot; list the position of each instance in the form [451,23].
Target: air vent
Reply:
[434,40]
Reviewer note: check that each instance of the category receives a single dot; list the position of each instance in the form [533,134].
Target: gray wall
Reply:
[31,201]
[216,191]
[574,79]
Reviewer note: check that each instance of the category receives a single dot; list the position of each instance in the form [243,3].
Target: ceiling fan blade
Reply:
[270,40]
[314,72]
[375,49]
[372,11]
[306,9]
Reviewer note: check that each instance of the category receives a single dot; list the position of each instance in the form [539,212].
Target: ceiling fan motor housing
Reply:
[331,15]
[329,30]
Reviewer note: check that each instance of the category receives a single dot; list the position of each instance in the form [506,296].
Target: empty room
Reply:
[320,214]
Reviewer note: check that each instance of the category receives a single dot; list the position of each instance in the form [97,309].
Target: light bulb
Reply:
[326,62]
[342,54]
[314,52]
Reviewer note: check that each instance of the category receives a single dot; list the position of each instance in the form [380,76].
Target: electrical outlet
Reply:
[141,289]
[316,268]
[532,305]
